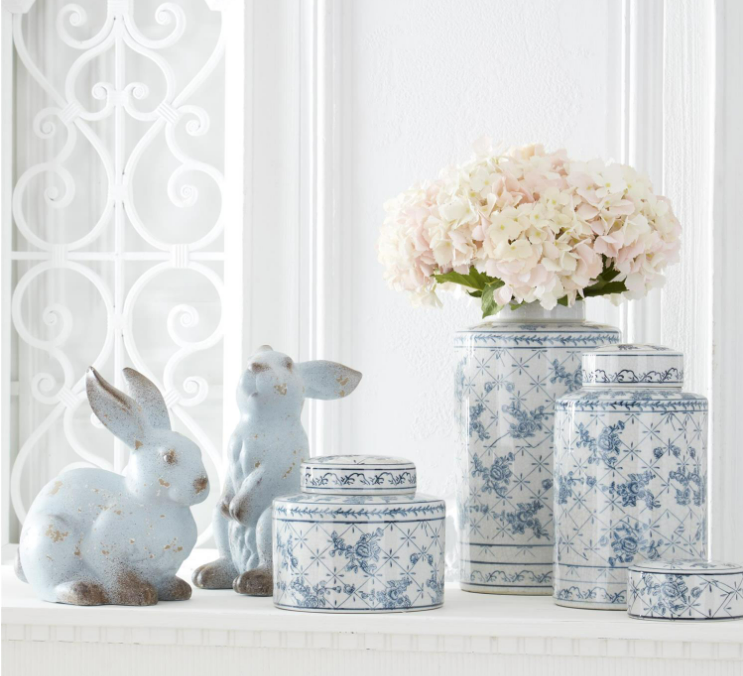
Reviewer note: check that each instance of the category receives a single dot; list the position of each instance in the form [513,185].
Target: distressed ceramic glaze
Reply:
[509,373]
[630,473]
[358,475]
[94,537]
[368,553]
[686,590]
[265,453]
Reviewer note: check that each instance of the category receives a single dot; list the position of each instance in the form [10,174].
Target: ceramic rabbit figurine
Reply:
[93,537]
[264,454]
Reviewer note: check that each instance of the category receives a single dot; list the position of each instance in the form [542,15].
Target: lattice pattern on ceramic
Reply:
[631,483]
[686,590]
[359,554]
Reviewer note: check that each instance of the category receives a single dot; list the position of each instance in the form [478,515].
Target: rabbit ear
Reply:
[119,413]
[147,395]
[327,380]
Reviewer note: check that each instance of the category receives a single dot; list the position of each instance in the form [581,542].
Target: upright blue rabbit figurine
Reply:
[264,454]
[93,537]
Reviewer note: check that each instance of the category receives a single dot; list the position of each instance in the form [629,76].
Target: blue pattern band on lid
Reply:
[633,365]
[358,475]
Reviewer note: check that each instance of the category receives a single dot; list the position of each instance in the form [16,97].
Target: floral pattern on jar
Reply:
[630,471]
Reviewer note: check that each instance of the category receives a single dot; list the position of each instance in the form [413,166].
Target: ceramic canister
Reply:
[510,371]
[630,473]
[686,590]
[358,539]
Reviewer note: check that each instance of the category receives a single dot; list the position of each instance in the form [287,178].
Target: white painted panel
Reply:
[116,253]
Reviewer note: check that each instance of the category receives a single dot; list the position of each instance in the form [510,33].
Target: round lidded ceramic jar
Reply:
[358,475]
[358,539]
[685,590]
[630,473]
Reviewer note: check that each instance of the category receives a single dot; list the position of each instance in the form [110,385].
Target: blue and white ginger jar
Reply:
[630,473]
[687,590]
[510,371]
[358,539]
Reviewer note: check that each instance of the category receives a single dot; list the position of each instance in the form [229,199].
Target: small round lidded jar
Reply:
[630,473]
[687,590]
[358,539]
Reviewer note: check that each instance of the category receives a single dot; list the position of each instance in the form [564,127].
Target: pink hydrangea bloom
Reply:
[543,224]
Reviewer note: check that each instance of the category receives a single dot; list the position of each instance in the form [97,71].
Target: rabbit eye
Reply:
[288,363]
[258,368]
[170,457]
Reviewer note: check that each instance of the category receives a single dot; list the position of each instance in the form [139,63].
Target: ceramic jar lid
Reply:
[690,589]
[633,365]
[358,475]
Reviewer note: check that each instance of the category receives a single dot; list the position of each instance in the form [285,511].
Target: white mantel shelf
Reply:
[220,628]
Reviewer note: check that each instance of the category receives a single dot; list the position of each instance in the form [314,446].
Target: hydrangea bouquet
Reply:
[529,226]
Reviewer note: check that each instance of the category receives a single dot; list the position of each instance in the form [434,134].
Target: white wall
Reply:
[428,79]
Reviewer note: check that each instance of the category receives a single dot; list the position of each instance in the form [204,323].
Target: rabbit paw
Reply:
[131,591]
[215,575]
[238,507]
[258,582]
[81,594]
[174,590]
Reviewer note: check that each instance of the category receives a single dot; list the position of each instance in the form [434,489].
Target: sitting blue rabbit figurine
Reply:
[264,455]
[94,537]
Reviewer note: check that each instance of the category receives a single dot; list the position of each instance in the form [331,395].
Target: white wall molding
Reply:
[726,325]
[642,134]
[327,226]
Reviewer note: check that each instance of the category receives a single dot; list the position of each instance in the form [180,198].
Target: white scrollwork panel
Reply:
[117,248]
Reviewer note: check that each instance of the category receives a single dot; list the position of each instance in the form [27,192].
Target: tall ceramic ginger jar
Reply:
[510,371]
[630,473]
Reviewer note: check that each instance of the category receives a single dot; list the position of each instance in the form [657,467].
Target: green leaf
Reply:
[488,304]
[604,289]
[473,280]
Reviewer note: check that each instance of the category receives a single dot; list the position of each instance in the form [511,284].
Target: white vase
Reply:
[510,371]
[630,473]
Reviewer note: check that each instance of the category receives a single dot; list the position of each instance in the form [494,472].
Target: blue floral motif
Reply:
[525,519]
[476,426]
[546,339]
[635,401]
[333,512]
[565,485]
[636,488]
[286,548]
[627,541]
[572,380]
[528,422]
[393,596]
[307,596]
[594,594]
[497,477]
[693,488]
[671,375]
[364,554]
[498,577]
[604,449]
